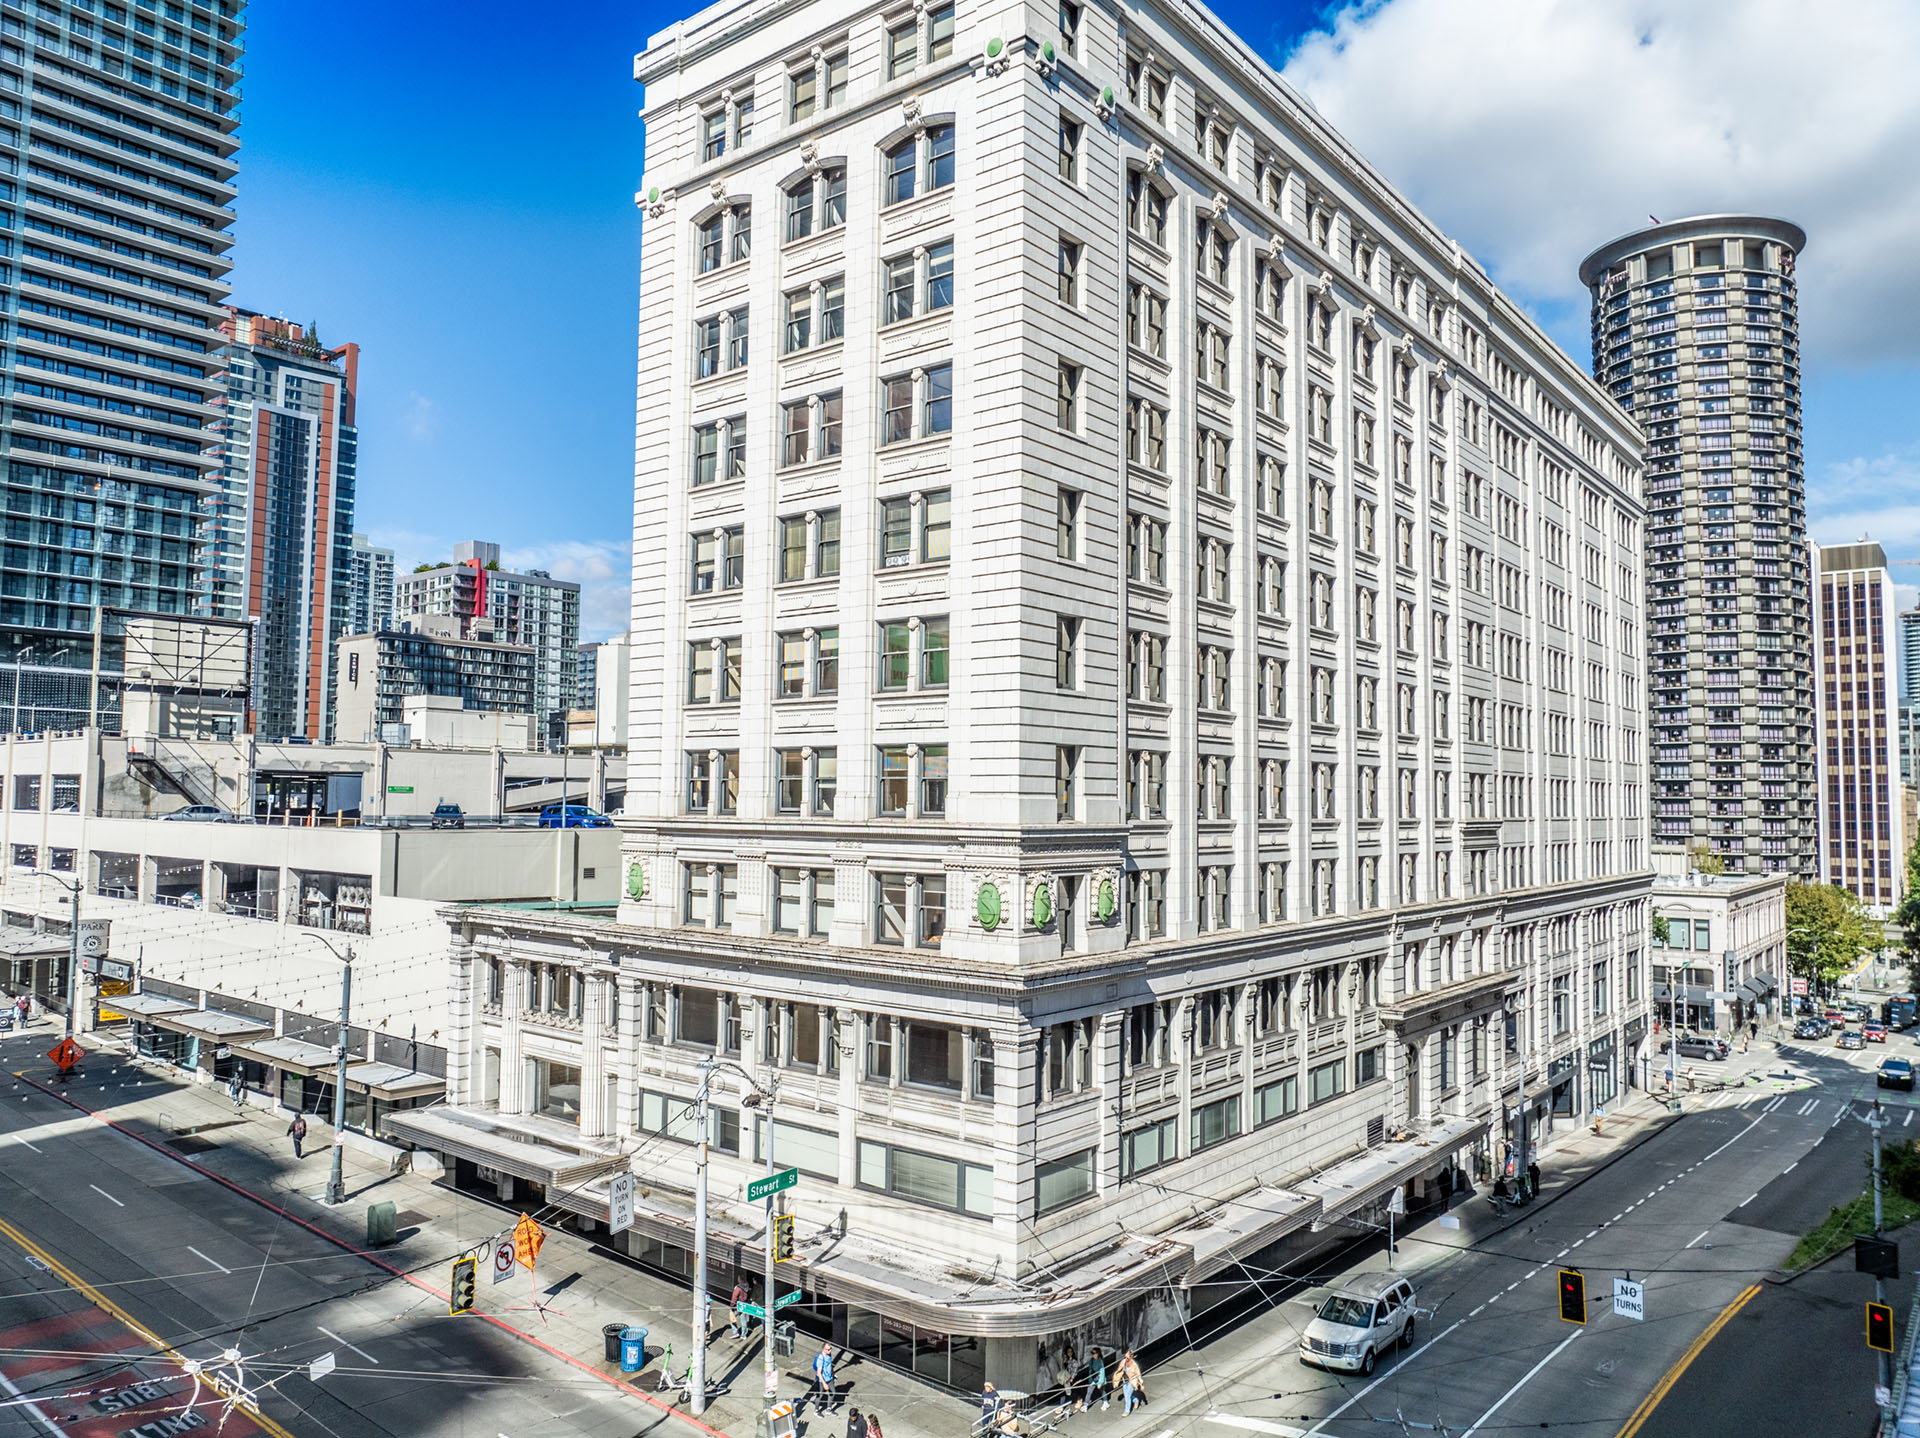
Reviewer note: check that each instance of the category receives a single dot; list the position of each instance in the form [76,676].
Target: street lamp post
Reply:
[73,887]
[336,1178]
[756,1098]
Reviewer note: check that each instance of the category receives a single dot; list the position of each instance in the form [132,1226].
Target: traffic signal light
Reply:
[782,1237]
[1573,1296]
[460,1293]
[1880,1327]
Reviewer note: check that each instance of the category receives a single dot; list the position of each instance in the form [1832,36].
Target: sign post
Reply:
[620,1203]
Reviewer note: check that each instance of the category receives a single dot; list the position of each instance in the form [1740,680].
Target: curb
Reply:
[1654,1127]
[666,1409]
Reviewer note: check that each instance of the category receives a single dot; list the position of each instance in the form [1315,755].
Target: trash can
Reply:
[633,1349]
[610,1336]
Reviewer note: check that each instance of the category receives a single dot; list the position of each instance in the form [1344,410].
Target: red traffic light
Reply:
[1880,1327]
[1573,1296]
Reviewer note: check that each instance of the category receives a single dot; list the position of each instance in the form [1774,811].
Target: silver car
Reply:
[1361,1320]
[200,814]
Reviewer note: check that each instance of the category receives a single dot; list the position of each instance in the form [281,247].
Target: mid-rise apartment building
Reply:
[1862,847]
[1135,737]
[1696,333]
[120,144]
[370,587]
[377,672]
[278,536]
[532,609]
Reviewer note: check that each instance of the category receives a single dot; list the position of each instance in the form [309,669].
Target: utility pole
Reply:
[1875,1121]
[697,1365]
[336,1181]
[73,961]
[769,1377]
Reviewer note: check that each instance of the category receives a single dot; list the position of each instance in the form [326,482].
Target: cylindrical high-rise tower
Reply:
[1696,332]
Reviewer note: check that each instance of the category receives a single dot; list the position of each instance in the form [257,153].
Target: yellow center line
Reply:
[1694,1349]
[106,1304]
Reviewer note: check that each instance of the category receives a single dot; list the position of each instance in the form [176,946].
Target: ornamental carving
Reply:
[636,881]
[1040,904]
[986,906]
[1106,895]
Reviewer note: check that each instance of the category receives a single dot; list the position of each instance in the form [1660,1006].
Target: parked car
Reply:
[1851,1039]
[1360,1322]
[1874,1031]
[448,816]
[576,816]
[1811,1028]
[1894,1073]
[200,814]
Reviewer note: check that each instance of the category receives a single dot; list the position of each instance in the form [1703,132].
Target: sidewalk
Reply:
[585,1285]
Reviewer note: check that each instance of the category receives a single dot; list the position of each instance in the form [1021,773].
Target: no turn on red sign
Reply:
[502,1259]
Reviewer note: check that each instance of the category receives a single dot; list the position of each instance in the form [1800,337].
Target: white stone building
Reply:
[1136,726]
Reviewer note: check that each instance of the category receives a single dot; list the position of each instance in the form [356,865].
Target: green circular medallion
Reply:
[1042,906]
[636,881]
[653,195]
[994,47]
[986,906]
[1046,52]
[1103,904]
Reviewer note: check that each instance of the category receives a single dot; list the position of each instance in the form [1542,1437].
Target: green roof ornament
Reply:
[986,906]
[636,881]
[994,47]
[1046,52]
[1106,96]
[1042,905]
[653,195]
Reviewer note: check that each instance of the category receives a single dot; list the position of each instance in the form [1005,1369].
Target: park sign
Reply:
[773,1183]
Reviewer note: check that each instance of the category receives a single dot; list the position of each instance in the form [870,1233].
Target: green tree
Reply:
[1828,932]
[1906,918]
[1662,931]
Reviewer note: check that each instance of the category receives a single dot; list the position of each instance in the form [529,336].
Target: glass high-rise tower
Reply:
[118,124]
[1696,333]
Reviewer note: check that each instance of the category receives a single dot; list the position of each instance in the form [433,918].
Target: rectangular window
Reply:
[1276,1100]
[937,541]
[1067,653]
[1062,1181]
[1067,524]
[896,770]
[1069,271]
[1066,765]
[934,638]
[927,1178]
[1067,414]
[1326,1081]
[1216,1122]
[1145,1149]
[1069,148]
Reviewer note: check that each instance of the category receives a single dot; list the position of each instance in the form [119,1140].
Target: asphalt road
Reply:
[1701,1213]
[120,1267]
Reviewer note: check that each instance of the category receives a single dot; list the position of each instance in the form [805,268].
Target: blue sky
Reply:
[452,188]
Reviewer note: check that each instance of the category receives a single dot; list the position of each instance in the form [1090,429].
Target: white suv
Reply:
[1361,1320]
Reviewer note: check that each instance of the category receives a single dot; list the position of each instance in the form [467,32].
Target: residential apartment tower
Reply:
[1862,847]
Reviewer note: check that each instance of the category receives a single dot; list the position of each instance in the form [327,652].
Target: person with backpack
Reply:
[736,1320]
[1130,1381]
[297,1131]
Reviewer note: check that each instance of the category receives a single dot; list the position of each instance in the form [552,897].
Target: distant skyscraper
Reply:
[1860,812]
[280,532]
[1696,332]
[532,609]
[119,133]
[1909,716]
[370,596]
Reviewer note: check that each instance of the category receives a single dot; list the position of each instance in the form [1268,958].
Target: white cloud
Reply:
[1875,498]
[1535,130]
[421,417]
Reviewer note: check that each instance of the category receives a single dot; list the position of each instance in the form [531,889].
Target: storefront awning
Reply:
[149,1006]
[27,944]
[393,1083]
[523,1145]
[1351,1186]
[1244,1226]
[215,1024]
[1752,990]
[293,1055]
[1769,979]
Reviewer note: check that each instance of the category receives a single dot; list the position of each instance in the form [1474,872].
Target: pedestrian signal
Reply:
[1880,1327]
[1573,1296]
[783,1238]
[460,1293]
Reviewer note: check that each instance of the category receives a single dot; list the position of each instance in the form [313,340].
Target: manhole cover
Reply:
[406,1217]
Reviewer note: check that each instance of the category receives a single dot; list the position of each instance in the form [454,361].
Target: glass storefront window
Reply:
[556,1090]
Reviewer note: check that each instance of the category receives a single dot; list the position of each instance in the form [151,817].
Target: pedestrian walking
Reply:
[236,1090]
[1094,1373]
[1533,1179]
[823,1379]
[873,1426]
[23,1006]
[737,1321]
[1131,1382]
[857,1427]
[297,1131]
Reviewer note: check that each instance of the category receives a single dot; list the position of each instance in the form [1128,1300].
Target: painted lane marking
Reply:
[37,1149]
[1747,1200]
[344,1344]
[18,1397]
[1253,1425]
[1397,1368]
[1500,1402]
[214,1261]
[1789,1168]
[104,1194]
[1702,1234]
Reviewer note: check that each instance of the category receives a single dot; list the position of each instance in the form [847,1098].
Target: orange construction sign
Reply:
[527,1238]
[65,1054]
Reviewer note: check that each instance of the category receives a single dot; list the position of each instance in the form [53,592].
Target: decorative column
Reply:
[462,1023]
[513,1004]
[593,1063]
[626,1054]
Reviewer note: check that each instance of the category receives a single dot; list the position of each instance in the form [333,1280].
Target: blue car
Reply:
[573,816]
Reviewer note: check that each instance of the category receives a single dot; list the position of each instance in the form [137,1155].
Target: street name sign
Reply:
[620,1203]
[752,1310]
[787,1298]
[773,1183]
[1630,1299]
